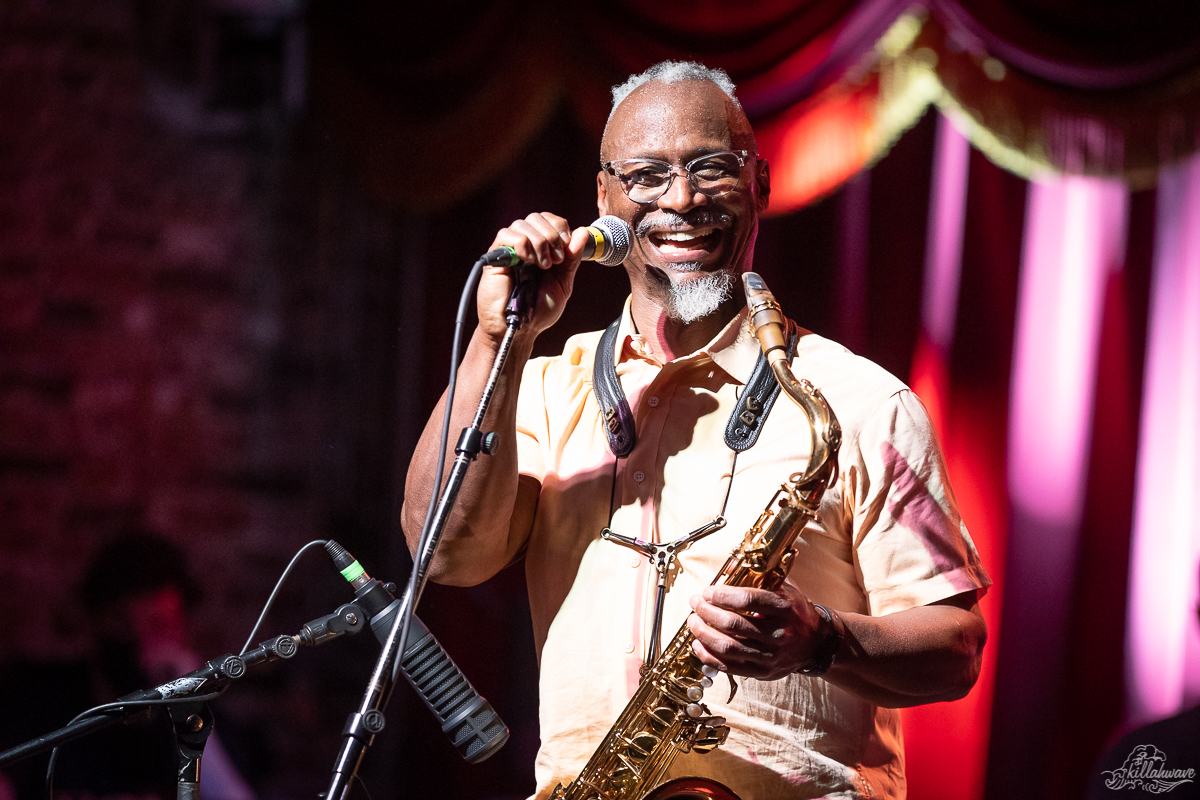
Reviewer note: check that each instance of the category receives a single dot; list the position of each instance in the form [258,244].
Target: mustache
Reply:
[696,218]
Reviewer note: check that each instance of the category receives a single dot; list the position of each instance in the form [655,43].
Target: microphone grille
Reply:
[618,236]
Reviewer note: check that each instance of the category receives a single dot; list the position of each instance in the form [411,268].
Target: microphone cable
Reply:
[413,592]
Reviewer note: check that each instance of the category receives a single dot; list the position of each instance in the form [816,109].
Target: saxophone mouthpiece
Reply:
[766,317]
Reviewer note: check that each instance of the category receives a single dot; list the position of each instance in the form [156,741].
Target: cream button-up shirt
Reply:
[889,538]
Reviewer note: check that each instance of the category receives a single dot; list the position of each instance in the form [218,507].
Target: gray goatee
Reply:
[691,300]
[694,299]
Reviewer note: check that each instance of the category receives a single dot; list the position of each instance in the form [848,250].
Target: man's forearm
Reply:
[476,542]
[494,510]
[923,655]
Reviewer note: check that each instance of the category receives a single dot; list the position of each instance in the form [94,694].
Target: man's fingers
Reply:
[751,632]
[730,656]
[746,600]
[539,238]
[726,646]
[553,233]
[561,228]
[727,622]
[530,243]
[701,652]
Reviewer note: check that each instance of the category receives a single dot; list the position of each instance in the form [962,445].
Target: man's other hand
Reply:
[755,632]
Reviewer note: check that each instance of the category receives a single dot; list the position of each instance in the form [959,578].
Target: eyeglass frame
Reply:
[743,157]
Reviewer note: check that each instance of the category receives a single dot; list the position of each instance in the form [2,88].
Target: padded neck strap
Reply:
[745,423]
[618,419]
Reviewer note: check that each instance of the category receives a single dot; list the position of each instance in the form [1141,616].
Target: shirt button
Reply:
[629,647]
[639,476]
[635,562]
[652,400]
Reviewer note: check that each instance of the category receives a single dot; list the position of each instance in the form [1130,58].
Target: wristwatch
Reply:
[835,631]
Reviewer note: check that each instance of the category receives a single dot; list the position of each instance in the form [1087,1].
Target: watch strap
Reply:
[835,632]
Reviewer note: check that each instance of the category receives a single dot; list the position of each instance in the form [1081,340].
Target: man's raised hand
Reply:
[546,241]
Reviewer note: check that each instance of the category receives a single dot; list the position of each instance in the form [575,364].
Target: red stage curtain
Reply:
[1116,92]
[431,103]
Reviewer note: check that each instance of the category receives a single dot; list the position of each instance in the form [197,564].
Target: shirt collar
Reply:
[734,349]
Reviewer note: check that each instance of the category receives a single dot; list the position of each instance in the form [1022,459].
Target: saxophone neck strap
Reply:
[618,419]
[754,403]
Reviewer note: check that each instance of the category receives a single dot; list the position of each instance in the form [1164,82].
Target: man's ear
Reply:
[762,178]
[601,194]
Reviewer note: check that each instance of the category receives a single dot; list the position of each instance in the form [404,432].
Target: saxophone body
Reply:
[665,716]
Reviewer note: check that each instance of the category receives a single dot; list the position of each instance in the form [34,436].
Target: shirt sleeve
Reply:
[532,422]
[909,542]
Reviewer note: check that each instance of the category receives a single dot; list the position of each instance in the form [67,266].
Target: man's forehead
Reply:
[688,114]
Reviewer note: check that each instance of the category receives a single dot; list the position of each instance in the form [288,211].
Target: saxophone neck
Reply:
[766,319]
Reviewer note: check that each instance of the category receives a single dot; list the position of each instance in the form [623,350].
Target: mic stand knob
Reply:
[349,618]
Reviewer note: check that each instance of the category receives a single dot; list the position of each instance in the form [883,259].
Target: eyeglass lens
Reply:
[646,180]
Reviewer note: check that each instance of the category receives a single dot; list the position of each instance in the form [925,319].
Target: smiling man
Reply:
[695,223]
[879,609]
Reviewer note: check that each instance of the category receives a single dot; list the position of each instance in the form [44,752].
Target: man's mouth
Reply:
[686,245]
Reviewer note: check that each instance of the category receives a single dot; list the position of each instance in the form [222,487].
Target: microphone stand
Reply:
[362,725]
[186,698]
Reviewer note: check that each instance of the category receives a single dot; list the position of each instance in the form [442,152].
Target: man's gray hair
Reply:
[673,72]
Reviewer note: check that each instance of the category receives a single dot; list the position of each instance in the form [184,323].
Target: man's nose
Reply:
[681,196]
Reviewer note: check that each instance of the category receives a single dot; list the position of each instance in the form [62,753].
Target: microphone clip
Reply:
[349,618]
[523,298]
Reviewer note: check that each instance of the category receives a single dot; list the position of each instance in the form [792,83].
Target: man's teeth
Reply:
[685,236]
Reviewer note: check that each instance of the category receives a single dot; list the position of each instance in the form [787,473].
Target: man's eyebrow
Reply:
[691,155]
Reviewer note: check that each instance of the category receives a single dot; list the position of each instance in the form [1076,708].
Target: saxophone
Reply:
[665,716]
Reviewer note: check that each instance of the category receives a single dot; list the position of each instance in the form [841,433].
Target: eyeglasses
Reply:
[647,179]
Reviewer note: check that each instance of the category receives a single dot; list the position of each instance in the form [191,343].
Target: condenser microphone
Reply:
[609,241]
[467,719]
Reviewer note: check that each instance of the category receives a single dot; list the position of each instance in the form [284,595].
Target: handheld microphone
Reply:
[467,719]
[609,242]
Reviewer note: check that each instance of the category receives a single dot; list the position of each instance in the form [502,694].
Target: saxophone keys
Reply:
[694,710]
[706,681]
[710,671]
[695,693]
[660,719]
[623,781]
[713,739]
[643,744]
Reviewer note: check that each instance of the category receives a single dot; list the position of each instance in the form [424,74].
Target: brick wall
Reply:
[141,310]
[185,329]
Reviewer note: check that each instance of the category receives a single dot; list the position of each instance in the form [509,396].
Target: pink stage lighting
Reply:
[1162,645]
